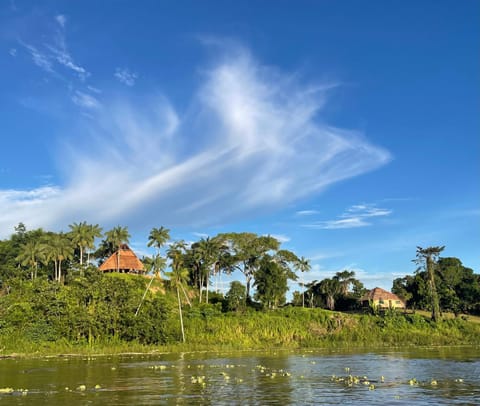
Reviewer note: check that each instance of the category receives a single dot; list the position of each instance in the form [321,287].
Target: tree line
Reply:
[438,284]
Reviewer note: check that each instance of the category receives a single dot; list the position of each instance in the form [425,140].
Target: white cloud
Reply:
[125,76]
[306,212]
[355,216]
[200,235]
[250,143]
[282,238]
[13,52]
[94,89]
[53,52]
[40,59]
[61,20]
[85,100]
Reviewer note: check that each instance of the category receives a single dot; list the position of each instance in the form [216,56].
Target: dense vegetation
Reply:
[440,285]
[54,298]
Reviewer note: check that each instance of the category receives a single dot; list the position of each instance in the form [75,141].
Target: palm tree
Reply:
[118,236]
[156,264]
[31,254]
[95,231]
[330,288]
[208,250]
[345,278]
[303,265]
[178,276]
[427,258]
[83,236]
[158,238]
[58,248]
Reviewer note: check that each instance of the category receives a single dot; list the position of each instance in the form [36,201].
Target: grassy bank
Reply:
[286,328]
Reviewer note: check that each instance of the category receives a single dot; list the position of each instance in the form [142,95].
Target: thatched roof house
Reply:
[382,299]
[124,260]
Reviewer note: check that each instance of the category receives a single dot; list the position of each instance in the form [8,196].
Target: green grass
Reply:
[288,328]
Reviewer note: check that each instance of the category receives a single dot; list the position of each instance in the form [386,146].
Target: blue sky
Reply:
[350,130]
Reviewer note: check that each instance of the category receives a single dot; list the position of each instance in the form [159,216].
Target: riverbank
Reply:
[288,328]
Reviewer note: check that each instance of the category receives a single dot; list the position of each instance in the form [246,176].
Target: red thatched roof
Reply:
[379,294]
[127,261]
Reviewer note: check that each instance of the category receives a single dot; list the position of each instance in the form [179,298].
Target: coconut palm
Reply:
[118,236]
[302,265]
[58,248]
[95,231]
[178,276]
[83,236]
[158,238]
[31,254]
[208,250]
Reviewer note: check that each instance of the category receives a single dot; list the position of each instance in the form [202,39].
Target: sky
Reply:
[348,130]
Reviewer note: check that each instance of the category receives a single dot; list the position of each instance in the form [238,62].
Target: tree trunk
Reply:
[206,283]
[199,273]
[81,256]
[180,311]
[433,290]
[249,279]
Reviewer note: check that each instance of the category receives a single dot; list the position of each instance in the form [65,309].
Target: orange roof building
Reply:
[382,299]
[124,260]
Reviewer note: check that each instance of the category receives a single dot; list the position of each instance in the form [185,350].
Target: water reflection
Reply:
[420,376]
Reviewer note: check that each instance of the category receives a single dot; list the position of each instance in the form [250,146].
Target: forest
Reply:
[51,290]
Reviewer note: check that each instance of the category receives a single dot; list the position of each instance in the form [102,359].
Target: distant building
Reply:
[382,300]
[124,260]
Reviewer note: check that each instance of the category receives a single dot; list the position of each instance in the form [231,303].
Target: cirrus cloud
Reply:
[250,142]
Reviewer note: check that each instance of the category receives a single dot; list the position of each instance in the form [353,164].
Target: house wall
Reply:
[389,304]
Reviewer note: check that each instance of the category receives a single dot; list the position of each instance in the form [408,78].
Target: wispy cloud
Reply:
[85,100]
[258,146]
[53,51]
[355,216]
[13,52]
[125,76]
[61,20]
[40,59]
[200,235]
[306,212]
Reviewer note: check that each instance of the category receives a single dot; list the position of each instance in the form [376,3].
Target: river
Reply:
[423,376]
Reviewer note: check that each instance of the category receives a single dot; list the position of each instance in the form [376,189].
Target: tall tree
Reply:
[118,236]
[303,265]
[95,231]
[208,250]
[58,248]
[330,288]
[31,254]
[83,236]
[247,249]
[271,282]
[427,258]
[178,276]
[158,238]
[345,279]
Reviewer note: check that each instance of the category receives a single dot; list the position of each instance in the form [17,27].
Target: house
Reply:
[382,299]
[124,260]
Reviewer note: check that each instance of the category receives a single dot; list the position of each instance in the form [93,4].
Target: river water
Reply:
[425,376]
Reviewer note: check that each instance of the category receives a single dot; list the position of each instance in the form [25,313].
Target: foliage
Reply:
[427,259]
[50,297]
[235,299]
[458,288]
